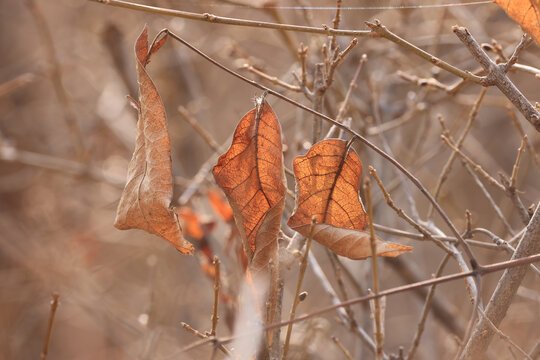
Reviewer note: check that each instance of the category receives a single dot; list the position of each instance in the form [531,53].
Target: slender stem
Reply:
[325,30]
[296,301]
[205,337]
[519,128]
[273,79]
[448,166]
[403,215]
[54,306]
[515,168]
[186,115]
[374,271]
[343,315]
[15,83]
[346,352]
[217,286]
[425,310]
[474,165]
[382,31]
[10,153]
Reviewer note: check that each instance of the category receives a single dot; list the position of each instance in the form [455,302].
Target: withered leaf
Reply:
[146,200]
[327,183]
[191,222]
[526,13]
[219,205]
[251,175]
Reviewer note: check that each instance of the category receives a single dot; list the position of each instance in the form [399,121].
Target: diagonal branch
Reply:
[502,297]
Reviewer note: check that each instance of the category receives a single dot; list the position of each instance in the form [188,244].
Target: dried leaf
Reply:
[251,175]
[219,205]
[146,200]
[191,223]
[327,183]
[526,13]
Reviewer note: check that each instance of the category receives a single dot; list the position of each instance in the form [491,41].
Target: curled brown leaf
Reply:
[146,200]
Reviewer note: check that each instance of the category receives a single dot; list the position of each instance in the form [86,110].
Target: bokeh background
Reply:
[67,133]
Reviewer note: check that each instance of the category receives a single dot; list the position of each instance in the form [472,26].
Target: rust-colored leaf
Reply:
[526,13]
[251,175]
[327,181]
[191,223]
[219,205]
[146,200]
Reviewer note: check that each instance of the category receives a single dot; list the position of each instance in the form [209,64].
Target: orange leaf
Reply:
[328,179]
[146,200]
[251,175]
[219,205]
[191,223]
[526,13]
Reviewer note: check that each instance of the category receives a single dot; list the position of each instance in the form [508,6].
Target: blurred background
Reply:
[67,134]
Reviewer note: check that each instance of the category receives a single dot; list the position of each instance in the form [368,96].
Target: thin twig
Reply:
[344,103]
[346,352]
[344,294]
[523,43]
[272,79]
[217,286]
[474,165]
[423,82]
[296,299]
[386,145]
[232,21]
[338,60]
[199,334]
[335,24]
[317,100]
[500,244]
[512,192]
[302,54]
[395,123]
[54,306]
[402,214]
[350,323]
[503,335]
[488,196]
[425,310]
[186,115]
[379,339]
[448,165]
[10,153]
[382,31]
[515,168]
[15,83]
[195,332]
[518,126]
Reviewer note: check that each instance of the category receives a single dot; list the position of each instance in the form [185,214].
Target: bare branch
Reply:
[496,75]
[503,295]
